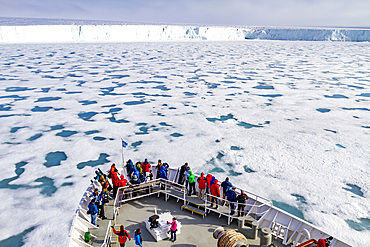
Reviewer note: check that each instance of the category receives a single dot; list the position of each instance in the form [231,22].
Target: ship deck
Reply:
[135,203]
[196,230]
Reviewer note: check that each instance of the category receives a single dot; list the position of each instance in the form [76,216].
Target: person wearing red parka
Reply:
[202,183]
[208,179]
[215,192]
[115,181]
[123,235]
[122,182]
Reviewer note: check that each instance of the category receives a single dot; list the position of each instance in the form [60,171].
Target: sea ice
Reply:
[269,114]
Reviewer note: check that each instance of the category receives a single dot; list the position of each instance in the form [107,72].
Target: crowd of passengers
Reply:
[209,185]
[141,172]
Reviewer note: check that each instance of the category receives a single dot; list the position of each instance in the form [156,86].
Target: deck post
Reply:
[205,205]
[165,191]
[228,218]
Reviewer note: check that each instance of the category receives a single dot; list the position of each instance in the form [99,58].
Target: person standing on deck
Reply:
[123,235]
[129,167]
[191,184]
[100,204]
[173,229]
[215,192]
[159,166]
[94,213]
[138,238]
[183,169]
[212,180]
[122,182]
[231,196]
[135,179]
[115,181]
[225,184]
[95,196]
[208,180]
[202,183]
[140,170]
[135,174]
[187,174]
[146,168]
[105,185]
[163,172]
[242,199]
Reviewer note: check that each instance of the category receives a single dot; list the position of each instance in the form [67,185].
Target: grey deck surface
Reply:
[196,230]
[103,225]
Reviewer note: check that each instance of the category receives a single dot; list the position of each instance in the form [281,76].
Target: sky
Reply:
[297,13]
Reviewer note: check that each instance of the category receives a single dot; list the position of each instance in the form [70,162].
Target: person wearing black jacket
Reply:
[241,199]
[182,173]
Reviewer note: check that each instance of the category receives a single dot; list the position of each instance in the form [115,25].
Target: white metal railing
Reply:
[160,185]
[136,189]
[173,174]
[228,207]
[108,235]
[77,217]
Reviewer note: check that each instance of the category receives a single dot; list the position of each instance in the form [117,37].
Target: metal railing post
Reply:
[165,191]
[184,195]
[228,217]
[205,203]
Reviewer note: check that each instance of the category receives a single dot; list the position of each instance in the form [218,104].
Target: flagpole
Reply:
[123,156]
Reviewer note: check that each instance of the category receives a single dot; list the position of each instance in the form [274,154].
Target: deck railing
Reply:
[108,235]
[255,211]
[170,187]
[134,192]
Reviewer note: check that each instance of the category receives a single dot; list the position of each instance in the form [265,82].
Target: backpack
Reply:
[87,237]
[242,198]
[154,221]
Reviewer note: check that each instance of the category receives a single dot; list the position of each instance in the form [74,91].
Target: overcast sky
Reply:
[342,13]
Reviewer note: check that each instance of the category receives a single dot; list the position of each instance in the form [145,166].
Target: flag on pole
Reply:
[124,144]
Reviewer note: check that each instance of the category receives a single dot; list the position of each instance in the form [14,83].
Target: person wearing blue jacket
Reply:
[129,167]
[231,197]
[100,204]
[225,184]
[163,172]
[135,179]
[138,238]
[94,212]
[136,173]
[95,195]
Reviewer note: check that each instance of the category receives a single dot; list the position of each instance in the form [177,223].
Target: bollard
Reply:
[218,232]
[266,237]
[254,229]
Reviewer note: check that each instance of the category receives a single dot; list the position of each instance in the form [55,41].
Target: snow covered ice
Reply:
[85,32]
[286,120]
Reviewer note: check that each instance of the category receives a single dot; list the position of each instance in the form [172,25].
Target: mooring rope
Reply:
[230,238]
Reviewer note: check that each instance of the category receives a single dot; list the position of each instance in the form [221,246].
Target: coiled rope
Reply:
[229,238]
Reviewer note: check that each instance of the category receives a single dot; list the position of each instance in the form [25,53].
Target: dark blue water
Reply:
[54,158]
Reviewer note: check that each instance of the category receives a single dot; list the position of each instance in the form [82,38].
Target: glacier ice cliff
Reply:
[146,33]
